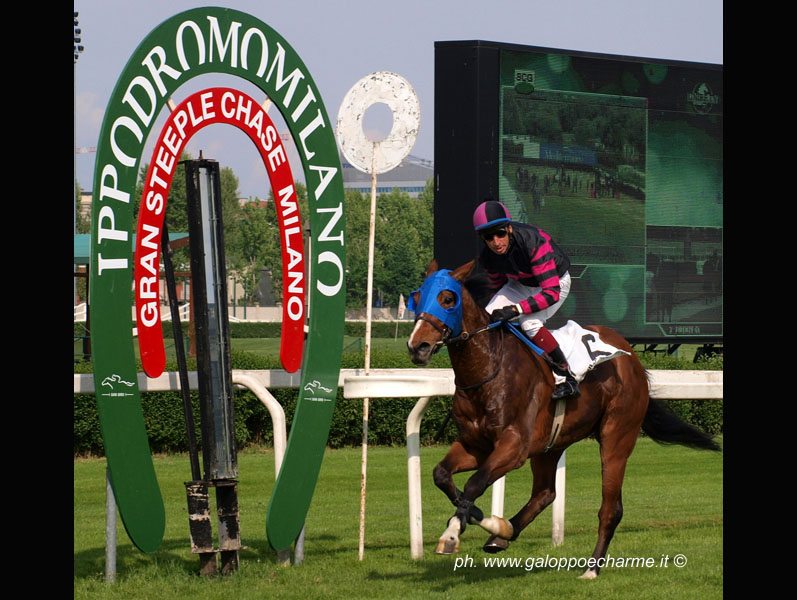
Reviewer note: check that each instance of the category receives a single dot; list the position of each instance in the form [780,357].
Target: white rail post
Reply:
[497,506]
[414,476]
[280,442]
[558,508]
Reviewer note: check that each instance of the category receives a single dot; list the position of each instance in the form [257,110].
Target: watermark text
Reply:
[567,563]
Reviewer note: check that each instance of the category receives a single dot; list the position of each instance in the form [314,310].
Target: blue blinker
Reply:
[434,284]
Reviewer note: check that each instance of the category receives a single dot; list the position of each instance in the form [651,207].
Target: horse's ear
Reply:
[462,273]
[432,267]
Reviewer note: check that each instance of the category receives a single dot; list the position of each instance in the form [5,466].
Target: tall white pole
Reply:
[397,93]
[368,311]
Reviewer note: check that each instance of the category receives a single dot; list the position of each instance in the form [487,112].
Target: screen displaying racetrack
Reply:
[621,163]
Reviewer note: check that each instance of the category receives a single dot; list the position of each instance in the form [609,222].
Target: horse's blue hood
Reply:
[434,284]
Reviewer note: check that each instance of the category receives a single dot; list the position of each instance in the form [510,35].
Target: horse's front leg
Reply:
[543,467]
[457,460]
[507,455]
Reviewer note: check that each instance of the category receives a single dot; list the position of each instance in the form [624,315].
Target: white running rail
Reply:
[423,384]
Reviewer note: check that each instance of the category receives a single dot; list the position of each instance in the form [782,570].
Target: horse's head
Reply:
[438,311]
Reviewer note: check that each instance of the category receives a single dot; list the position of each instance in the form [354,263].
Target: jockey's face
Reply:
[497,240]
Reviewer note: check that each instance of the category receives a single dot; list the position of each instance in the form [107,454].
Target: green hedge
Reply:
[163,411]
[379,329]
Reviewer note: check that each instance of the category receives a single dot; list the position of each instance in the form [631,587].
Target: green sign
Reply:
[193,43]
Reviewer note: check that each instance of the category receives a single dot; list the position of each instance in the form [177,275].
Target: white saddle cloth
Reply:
[583,349]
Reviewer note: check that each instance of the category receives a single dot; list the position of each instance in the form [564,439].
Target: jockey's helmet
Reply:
[490,214]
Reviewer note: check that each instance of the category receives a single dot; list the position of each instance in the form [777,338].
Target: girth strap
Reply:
[558,419]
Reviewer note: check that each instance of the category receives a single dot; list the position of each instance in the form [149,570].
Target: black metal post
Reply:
[182,364]
[200,527]
[211,323]
[214,371]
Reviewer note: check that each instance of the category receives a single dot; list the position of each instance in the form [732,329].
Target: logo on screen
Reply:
[524,81]
[702,98]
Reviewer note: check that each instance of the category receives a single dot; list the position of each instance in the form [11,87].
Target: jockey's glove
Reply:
[504,314]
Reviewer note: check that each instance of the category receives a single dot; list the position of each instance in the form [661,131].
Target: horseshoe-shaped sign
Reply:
[209,107]
[197,42]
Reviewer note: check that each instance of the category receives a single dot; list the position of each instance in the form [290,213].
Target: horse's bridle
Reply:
[446,340]
[444,330]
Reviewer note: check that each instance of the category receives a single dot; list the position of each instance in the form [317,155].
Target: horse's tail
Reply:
[663,426]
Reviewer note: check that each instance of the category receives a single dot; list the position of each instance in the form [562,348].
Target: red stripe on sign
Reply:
[209,107]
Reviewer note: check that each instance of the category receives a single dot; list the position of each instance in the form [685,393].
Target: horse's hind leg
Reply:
[614,457]
[543,492]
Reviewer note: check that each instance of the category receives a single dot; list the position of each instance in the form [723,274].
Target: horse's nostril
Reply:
[420,353]
[424,350]
[418,348]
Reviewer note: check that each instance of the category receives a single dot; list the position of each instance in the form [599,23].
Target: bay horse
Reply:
[504,413]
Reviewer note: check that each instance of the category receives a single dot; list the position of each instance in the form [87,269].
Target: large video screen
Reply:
[620,161]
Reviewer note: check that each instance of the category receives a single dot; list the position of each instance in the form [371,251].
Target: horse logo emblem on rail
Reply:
[116,379]
[311,387]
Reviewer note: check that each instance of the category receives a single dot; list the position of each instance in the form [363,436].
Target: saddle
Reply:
[584,351]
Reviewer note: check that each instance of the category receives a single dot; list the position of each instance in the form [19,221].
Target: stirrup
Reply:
[567,389]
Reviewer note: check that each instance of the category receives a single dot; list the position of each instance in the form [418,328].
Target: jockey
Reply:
[529,274]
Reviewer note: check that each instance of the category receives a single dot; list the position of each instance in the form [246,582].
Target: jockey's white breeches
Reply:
[514,292]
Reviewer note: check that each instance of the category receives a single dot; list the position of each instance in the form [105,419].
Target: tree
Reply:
[406,242]
[272,257]
[255,243]
[402,245]
[358,209]
[177,208]
[82,223]
[230,212]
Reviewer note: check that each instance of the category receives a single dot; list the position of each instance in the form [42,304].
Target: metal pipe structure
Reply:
[214,370]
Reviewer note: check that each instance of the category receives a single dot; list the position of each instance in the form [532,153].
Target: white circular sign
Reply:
[378,157]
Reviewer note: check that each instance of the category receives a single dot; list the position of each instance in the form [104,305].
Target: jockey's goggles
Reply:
[488,236]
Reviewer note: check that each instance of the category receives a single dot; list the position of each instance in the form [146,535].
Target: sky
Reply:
[342,42]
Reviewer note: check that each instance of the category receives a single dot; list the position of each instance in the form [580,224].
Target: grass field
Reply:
[673,506]
[271,346]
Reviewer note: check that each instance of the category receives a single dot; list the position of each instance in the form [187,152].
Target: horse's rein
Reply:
[445,331]
[445,340]
[466,335]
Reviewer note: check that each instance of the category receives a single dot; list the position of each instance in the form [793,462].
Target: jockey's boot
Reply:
[569,387]
[556,358]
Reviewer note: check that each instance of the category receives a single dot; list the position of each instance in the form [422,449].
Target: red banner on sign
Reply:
[209,107]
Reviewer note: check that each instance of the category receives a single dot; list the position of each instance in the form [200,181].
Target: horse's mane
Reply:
[478,285]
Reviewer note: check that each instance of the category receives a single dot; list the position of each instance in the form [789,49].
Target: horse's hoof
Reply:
[447,546]
[589,574]
[496,544]
[498,526]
